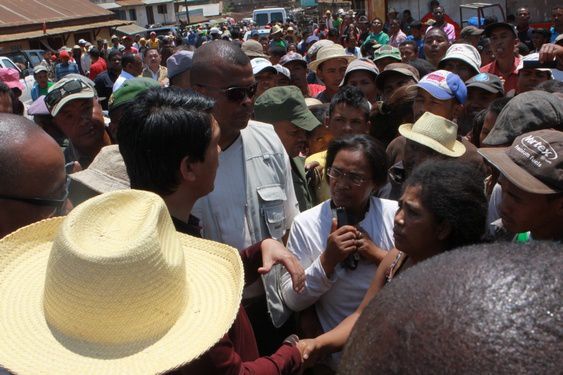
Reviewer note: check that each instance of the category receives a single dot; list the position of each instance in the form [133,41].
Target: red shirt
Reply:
[97,67]
[315,89]
[511,80]
[237,353]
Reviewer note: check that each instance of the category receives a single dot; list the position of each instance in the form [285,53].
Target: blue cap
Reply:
[444,85]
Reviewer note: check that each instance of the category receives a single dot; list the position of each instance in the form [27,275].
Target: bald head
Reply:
[215,56]
[492,308]
[31,166]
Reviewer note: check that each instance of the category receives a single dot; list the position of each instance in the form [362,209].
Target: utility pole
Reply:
[187,12]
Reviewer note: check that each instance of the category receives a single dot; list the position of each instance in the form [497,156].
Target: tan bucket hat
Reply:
[106,173]
[435,132]
[113,289]
[335,51]
[253,48]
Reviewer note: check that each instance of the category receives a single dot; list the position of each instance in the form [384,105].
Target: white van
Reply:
[265,16]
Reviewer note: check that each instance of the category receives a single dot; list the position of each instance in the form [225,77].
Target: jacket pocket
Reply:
[272,199]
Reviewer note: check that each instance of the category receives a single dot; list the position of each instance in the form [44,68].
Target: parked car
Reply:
[261,33]
[162,31]
[262,17]
[28,81]
[30,58]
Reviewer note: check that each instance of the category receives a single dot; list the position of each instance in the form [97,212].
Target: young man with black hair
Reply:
[98,64]
[348,114]
[532,185]
[170,141]
[105,80]
[505,65]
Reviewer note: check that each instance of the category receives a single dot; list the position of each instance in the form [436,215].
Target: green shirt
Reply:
[302,193]
[380,38]
[46,89]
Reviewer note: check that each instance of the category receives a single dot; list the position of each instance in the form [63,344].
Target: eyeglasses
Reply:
[58,203]
[337,174]
[56,95]
[237,94]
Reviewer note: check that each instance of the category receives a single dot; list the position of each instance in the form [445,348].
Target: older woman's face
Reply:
[416,229]
[351,183]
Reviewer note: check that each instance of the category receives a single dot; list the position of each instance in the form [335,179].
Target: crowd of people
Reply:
[365,196]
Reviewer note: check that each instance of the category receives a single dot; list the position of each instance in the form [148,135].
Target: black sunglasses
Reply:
[58,203]
[70,87]
[237,94]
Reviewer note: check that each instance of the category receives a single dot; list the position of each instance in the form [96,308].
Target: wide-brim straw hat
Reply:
[113,289]
[330,52]
[435,132]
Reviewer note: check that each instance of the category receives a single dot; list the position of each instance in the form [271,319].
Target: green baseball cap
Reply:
[387,51]
[129,91]
[285,103]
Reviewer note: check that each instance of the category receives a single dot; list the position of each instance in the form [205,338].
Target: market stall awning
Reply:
[131,29]
[61,30]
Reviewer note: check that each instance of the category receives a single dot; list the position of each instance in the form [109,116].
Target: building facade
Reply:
[142,12]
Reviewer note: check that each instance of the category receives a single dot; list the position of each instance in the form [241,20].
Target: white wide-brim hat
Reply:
[330,52]
[113,289]
[434,132]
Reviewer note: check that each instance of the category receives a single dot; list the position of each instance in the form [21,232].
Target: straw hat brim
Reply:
[315,64]
[406,131]
[214,282]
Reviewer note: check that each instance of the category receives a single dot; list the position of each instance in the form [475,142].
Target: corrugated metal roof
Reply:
[131,29]
[25,12]
[61,30]
[149,2]
[109,5]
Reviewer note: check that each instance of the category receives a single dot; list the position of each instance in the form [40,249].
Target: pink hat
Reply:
[11,78]
[64,54]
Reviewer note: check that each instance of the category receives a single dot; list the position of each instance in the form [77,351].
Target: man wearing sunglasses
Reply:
[74,106]
[32,173]
[254,196]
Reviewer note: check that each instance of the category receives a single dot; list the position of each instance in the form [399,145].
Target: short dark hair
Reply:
[333,32]
[4,89]
[439,31]
[423,66]
[372,149]
[94,52]
[497,105]
[351,96]
[127,58]
[409,43]
[277,51]
[478,122]
[543,32]
[457,313]
[416,25]
[152,49]
[452,191]
[114,53]
[163,126]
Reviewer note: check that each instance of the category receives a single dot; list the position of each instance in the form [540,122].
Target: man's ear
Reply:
[458,110]
[187,170]
[199,89]
[443,230]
